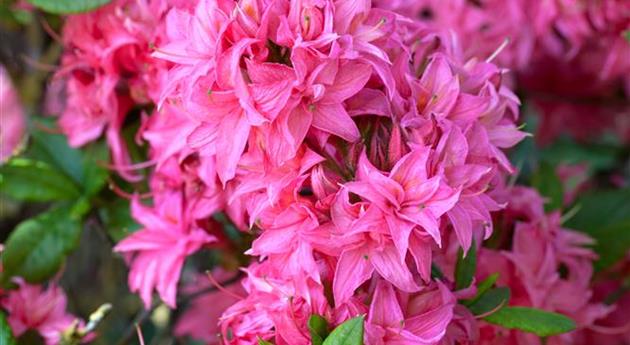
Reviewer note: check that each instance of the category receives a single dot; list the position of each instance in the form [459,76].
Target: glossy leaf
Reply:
[6,335]
[491,300]
[68,6]
[466,267]
[482,287]
[29,180]
[348,333]
[85,166]
[36,249]
[318,328]
[548,184]
[531,320]
[605,216]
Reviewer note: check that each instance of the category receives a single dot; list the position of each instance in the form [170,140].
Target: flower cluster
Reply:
[349,138]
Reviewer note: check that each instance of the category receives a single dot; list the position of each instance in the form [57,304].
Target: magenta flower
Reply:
[157,252]
[32,307]
[414,319]
[404,210]
[12,120]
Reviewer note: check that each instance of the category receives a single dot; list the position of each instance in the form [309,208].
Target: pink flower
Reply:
[409,319]
[12,120]
[157,252]
[547,267]
[408,203]
[107,68]
[273,301]
[31,307]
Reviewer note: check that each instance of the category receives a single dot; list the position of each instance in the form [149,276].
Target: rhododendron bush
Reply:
[315,172]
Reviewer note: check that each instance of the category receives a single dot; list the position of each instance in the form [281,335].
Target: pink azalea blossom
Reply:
[32,307]
[12,120]
[406,320]
[157,251]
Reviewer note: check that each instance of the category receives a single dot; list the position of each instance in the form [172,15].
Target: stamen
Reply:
[499,50]
[490,312]
[130,167]
[610,330]
[221,288]
[39,65]
[55,36]
[139,332]
[120,192]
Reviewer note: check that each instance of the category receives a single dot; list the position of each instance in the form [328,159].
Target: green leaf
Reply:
[436,272]
[487,283]
[492,299]
[318,327]
[94,175]
[116,217]
[601,208]
[531,320]
[68,6]
[25,179]
[599,156]
[605,216]
[547,182]
[263,342]
[38,246]
[54,150]
[84,167]
[612,244]
[482,287]
[348,333]
[6,335]
[466,267]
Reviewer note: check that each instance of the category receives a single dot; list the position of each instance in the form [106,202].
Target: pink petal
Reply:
[353,269]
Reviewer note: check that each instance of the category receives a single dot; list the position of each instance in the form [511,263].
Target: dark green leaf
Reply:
[531,320]
[487,283]
[436,272]
[6,335]
[318,327]
[348,333]
[466,267]
[599,156]
[68,6]
[29,180]
[94,176]
[84,167]
[547,182]
[54,150]
[612,243]
[482,287]
[38,246]
[605,216]
[601,208]
[116,217]
[489,301]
